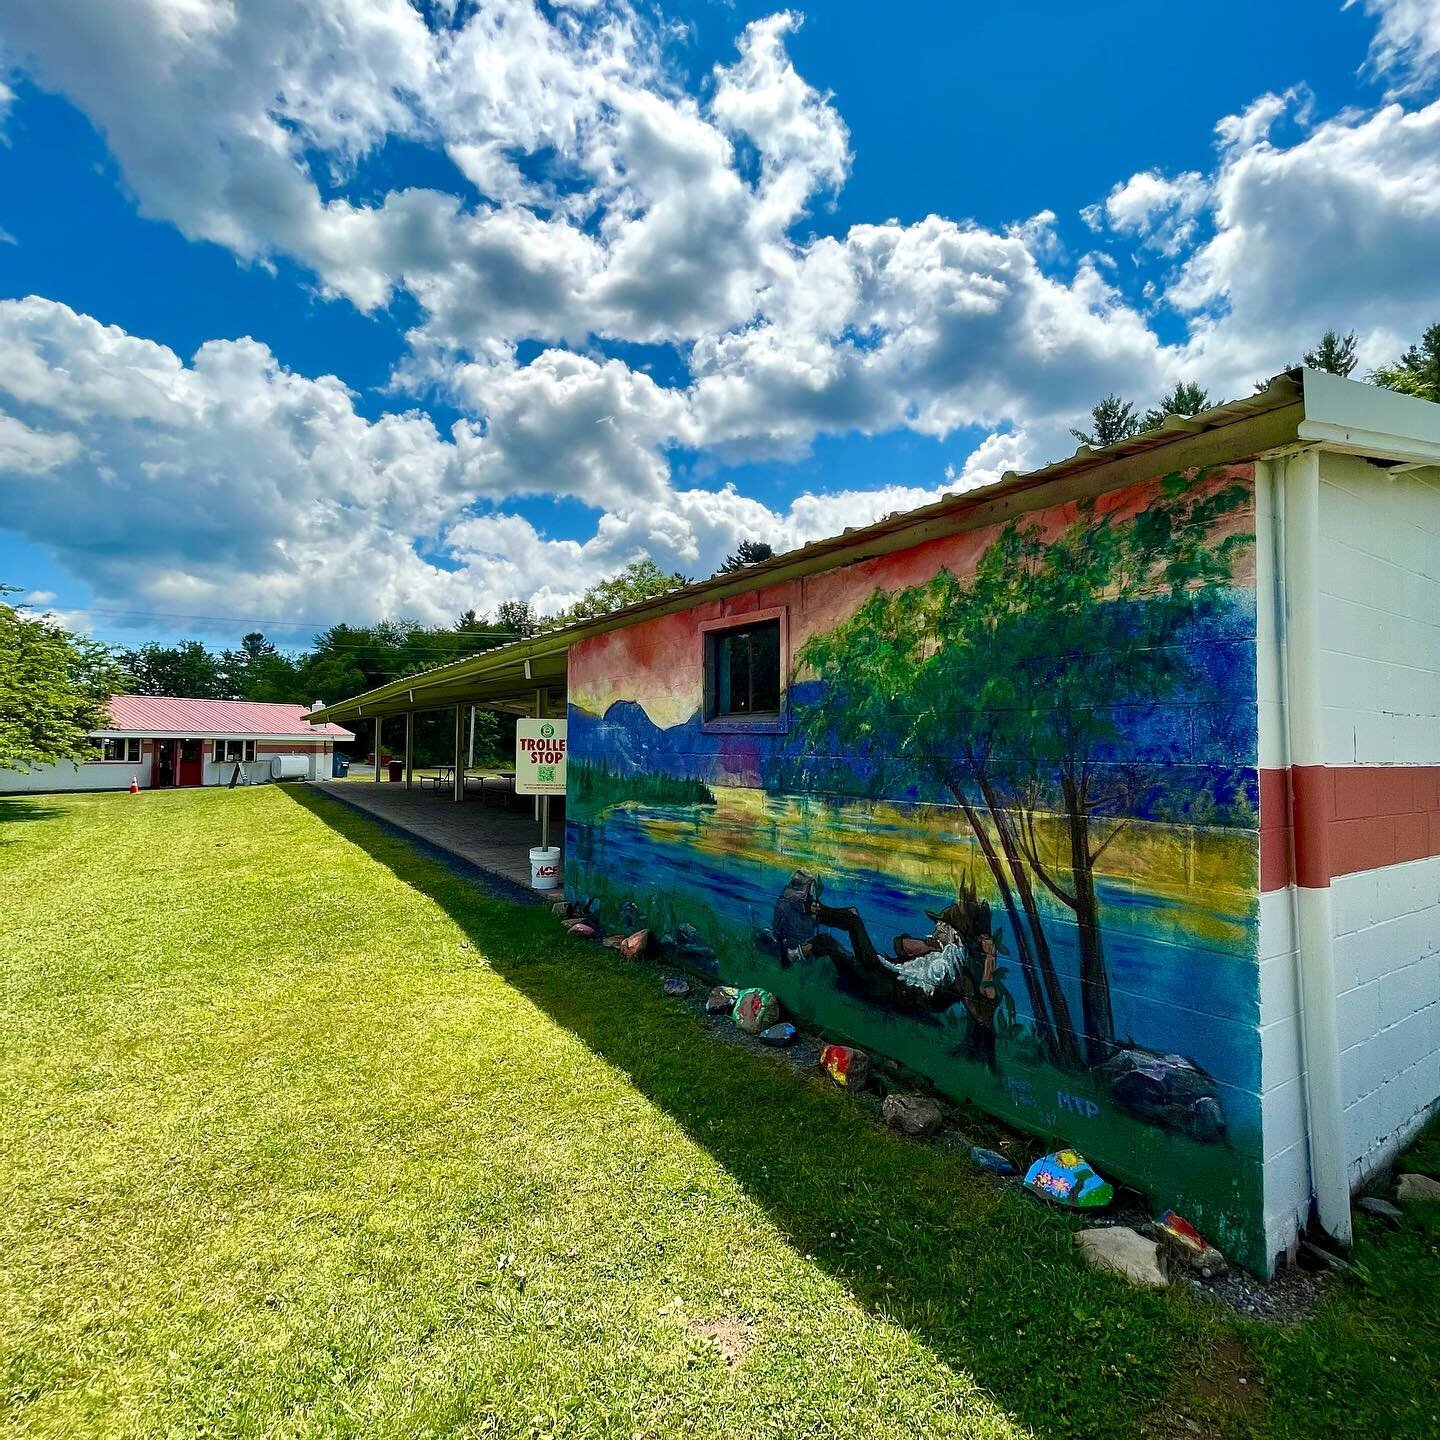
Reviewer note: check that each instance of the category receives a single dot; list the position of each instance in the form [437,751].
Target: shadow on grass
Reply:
[16,809]
[988,1280]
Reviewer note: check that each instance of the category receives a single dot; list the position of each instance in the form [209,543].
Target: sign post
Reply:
[540,748]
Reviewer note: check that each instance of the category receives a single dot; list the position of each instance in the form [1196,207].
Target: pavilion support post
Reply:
[378,723]
[459,752]
[409,749]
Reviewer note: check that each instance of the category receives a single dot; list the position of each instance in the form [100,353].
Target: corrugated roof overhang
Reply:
[508,677]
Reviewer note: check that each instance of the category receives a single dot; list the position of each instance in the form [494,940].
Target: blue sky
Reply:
[359,313]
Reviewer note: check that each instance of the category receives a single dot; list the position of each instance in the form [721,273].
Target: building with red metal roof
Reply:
[164,741]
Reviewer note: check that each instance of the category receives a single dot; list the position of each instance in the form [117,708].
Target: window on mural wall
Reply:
[227,750]
[744,672]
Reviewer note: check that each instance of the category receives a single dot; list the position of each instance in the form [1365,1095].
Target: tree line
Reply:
[1415,372]
[55,686]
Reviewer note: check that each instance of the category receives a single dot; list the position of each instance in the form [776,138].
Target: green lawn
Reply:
[301,1136]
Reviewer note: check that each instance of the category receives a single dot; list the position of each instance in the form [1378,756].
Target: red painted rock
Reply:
[846,1066]
[636,946]
[1187,1244]
[581,930]
[756,1010]
[912,1114]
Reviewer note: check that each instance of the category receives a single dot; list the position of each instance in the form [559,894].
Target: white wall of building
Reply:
[52,779]
[115,775]
[1380,694]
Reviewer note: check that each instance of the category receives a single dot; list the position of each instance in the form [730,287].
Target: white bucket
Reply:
[545,867]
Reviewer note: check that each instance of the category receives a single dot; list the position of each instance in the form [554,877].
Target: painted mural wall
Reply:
[1004,830]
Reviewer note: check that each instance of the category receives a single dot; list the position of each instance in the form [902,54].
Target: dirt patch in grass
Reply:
[1217,1393]
[731,1336]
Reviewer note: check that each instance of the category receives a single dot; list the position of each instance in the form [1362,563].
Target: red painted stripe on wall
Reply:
[1344,819]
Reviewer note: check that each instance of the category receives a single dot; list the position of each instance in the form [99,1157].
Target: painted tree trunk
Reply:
[1067,1043]
[1043,1028]
[1096,1012]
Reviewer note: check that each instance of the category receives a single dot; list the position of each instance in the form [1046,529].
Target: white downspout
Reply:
[1298,499]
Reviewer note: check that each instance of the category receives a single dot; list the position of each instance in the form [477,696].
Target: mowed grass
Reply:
[302,1135]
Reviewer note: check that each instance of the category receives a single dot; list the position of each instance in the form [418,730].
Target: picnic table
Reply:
[497,783]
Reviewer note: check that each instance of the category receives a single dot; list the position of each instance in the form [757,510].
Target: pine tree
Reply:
[747,552]
[1335,353]
[1187,398]
[1114,420]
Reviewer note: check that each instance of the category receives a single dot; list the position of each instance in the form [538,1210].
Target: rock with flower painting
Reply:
[1066,1178]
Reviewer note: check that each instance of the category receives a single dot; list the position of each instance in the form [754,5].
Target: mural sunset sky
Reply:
[433,305]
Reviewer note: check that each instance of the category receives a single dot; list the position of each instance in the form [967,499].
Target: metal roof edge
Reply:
[1181,435]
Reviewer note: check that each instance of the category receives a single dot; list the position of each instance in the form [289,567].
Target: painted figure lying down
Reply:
[953,965]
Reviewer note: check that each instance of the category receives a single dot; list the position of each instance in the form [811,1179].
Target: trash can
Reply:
[397,771]
[339,765]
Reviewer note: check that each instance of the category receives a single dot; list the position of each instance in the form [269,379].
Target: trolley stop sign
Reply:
[540,757]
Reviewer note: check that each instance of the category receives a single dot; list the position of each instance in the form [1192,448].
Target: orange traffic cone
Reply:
[134,786]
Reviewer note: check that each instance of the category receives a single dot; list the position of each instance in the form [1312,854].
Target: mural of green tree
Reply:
[1003,689]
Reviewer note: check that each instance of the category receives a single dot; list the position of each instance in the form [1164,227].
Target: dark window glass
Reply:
[746,670]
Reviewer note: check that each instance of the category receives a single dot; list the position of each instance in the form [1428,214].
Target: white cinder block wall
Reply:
[1380,615]
[1380,692]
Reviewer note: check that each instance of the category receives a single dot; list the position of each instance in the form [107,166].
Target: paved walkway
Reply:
[485,836]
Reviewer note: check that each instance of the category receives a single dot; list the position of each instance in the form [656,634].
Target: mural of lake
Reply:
[1176,968]
[1001,826]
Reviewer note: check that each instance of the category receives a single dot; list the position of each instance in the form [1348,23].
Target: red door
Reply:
[191,769]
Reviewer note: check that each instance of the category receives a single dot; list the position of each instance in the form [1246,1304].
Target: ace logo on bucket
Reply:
[540,747]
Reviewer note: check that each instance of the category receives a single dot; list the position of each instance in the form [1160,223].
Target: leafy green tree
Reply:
[1335,353]
[1113,420]
[187,670]
[639,580]
[747,552]
[1417,371]
[518,617]
[1003,689]
[1187,398]
[55,689]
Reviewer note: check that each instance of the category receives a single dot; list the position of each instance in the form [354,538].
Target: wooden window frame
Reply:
[711,632]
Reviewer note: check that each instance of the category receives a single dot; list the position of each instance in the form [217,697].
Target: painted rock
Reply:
[993,1161]
[636,946]
[675,986]
[721,1000]
[581,930]
[912,1114]
[845,1065]
[1066,1178]
[1126,1252]
[782,1034]
[1184,1241]
[756,1010]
